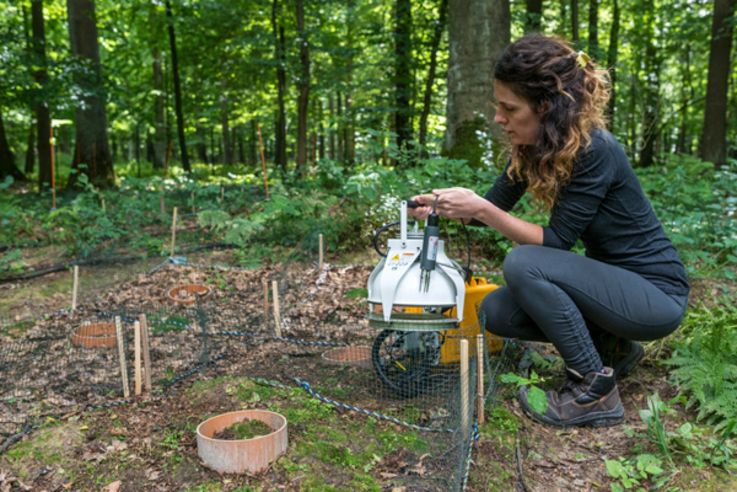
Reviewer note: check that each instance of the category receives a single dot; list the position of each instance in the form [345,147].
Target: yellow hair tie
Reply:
[582,59]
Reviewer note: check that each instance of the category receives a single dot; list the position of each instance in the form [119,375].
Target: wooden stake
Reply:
[464,408]
[75,286]
[263,161]
[277,316]
[121,355]
[137,358]
[162,206]
[102,202]
[146,352]
[222,194]
[53,169]
[480,403]
[319,261]
[173,230]
[191,196]
[265,285]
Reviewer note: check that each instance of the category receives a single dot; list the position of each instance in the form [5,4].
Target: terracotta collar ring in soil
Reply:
[95,335]
[241,455]
[356,356]
[188,293]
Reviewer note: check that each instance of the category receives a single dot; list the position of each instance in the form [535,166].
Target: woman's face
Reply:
[515,115]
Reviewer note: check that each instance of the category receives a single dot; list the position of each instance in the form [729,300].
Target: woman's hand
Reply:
[458,203]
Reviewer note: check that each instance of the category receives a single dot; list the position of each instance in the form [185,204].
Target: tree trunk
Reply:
[403,72]
[7,158]
[280,132]
[714,136]
[651,113]
[320,130]
[437,36]
[331,128]
[612,53]
[341,135]
[574,22]
[177,89]
[41,108]
[594,30]
[30,150]
[683,144]
[92,154]
[478,30]
[303,85]
[159,138]
[201,146]
[533,20]
[225,126]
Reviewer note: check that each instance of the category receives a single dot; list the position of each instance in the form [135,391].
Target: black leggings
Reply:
[561,297]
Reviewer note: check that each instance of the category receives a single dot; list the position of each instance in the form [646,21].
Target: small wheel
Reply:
[403,360]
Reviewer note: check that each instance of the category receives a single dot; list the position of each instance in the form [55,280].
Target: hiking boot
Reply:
[592,400]
[620,354]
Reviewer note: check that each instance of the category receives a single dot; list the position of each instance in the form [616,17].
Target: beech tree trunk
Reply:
[7,158]
[92,154]
[533,20]
[430,80]
[159,138]
[177,89]
[280,158]
[478,31]
[41,108]
[403,72]
[612,53]
[714,136]
[303,86]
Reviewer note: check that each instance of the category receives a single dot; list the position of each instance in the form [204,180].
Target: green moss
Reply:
[46,447]
[16,330]
[247,429]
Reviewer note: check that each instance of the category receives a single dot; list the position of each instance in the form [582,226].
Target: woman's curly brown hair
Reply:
[569,92]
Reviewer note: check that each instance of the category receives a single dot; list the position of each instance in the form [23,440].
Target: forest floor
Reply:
[150,443]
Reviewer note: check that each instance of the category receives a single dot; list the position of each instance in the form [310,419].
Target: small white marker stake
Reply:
[320,254]
[277,316]
[137,373]
[146,352]
[121,355]
[75,286]
[173,230]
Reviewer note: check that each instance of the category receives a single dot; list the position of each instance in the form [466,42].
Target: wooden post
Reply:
[137,379]
[75,286]
[464,408]
[146,352]
[480,403]
[173,230]
[191,196]
[222,194]
[263,160]
[102,203]
[320,257]
[162,206]
[53,168]
[277,316]
[121,355]
[265,285]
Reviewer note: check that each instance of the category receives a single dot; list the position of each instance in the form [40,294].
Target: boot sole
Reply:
[599,419]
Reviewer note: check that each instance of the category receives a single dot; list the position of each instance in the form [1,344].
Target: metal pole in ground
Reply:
[464,408]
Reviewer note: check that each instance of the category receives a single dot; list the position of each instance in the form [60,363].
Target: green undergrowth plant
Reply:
[535,395]
[667,449]
[704,363]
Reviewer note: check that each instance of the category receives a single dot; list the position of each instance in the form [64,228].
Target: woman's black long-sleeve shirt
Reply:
[604,205]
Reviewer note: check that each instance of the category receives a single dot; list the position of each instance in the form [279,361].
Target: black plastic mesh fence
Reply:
[198,316]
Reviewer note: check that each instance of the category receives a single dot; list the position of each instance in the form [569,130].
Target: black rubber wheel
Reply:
[403,360]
